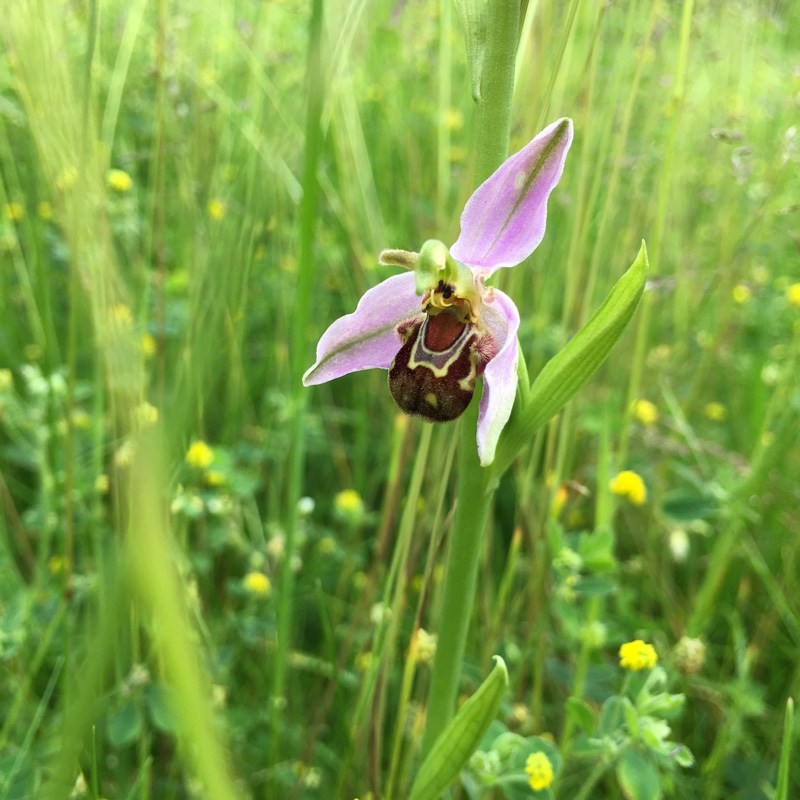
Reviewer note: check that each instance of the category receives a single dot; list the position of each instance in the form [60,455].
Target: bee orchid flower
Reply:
[438,327]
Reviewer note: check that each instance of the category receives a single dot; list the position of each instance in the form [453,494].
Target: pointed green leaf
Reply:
[459,740]
[631,718]
[782,789]
[581,714]
[125,725]
[568,370]
[637,777]
[159,706]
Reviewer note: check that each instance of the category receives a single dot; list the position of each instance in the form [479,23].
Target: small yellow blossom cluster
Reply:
[741,293]
[539,771]
[689,655]
[716,411]
[349,502]
[629,484]
[145,415]
[148,345]
[120,316]
[426,646]
[257,584]
[216,209]
[646,412]
[793,295]
[14,212]
[119,180]
[637,655]
[199,455]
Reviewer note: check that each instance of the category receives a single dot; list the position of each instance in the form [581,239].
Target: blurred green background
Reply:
[154,437]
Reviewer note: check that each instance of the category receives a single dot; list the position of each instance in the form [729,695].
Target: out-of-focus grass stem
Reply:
[604,510]
[304,290]
[665,179]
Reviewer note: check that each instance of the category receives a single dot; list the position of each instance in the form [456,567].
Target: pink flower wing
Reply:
[366,338]
[505,219]
[500,376]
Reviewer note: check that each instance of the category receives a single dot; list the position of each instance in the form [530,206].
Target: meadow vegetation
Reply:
[173,499]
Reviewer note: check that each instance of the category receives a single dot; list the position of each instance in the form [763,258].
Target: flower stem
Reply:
[304,291]
[474,494]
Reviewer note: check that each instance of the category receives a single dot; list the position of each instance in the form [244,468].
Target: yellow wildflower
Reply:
[214,477]
[327,545]
[67,178]
[81,419]
[716,411]
[44,210]
[793,294]
[119,180]
[539,771]
[363,661]
[741,293]
[629,484]
[559,499]
[645,411]
[121,315]
[453,119]
[426,646]
[257,584]
[216,209]
[14,212]
[57,564]
[145,415]
[148,345]
[637,655]
[199,455]
[689,655]
[349,502]
[124,454]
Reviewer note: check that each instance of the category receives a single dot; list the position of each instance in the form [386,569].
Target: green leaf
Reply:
[567,371]
[637,777]
[472,15]
[782,789]
[683,756]
[581,714]
[595,587]
[125,725]
[684,505]
[461,737]
[158,703]
[612,715]
[631,717]
[597,550]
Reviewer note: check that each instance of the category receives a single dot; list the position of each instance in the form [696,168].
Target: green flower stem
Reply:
[474,495]
[497,87]
[305,287]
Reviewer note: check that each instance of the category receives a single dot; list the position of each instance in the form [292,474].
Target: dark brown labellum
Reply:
[433,376]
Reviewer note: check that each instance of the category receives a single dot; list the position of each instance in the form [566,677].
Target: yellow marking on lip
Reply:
[431,400]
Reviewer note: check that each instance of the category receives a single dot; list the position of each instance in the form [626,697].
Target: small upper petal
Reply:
[504,220]
[500,376]
[366,338]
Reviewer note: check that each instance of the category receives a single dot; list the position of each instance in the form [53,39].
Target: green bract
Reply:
[566,372]
[459,740]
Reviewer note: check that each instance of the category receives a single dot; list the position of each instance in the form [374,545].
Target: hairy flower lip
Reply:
[502,223]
